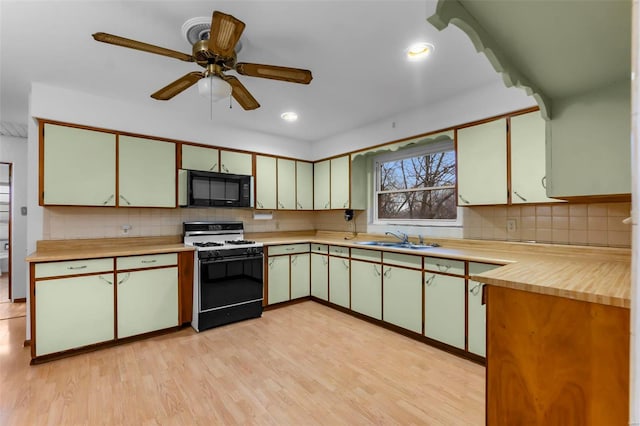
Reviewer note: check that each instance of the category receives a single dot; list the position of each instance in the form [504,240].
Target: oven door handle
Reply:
[229,259]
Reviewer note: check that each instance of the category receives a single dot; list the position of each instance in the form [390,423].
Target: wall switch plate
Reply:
[512,225]
[23,210]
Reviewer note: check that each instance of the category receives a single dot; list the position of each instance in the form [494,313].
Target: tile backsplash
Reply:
[597,224]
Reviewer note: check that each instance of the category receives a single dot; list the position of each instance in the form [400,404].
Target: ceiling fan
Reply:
[217,54]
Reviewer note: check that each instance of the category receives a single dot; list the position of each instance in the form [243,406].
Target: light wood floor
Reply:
[4,287]
[303,364]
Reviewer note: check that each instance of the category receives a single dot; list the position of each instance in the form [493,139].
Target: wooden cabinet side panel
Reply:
[552,360]
[185,285]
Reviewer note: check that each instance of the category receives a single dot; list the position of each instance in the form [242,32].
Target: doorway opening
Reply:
[5,232]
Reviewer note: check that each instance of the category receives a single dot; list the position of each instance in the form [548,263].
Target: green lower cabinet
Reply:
[476,311]
[339,281]
[402,295]
[278,270]
[366,288]
[444,306]
[300,279]
[320,276]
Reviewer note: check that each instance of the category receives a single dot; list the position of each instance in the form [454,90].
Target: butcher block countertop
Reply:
[591,274]
[54,250]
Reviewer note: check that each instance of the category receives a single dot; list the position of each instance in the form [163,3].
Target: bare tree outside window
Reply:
[417,187]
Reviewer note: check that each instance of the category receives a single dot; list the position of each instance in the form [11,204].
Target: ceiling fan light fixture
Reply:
[214,88]
[419,51]
[289,116]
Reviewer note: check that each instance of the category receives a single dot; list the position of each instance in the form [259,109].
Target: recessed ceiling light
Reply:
[289,116]
[419,51]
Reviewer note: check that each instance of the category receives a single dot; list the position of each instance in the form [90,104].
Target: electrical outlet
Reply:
[512,225]
[126,229]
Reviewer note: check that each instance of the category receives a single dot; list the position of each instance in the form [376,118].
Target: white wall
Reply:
[14,150]
[493,99]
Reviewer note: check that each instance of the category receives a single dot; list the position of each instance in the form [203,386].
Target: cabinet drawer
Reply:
[444,265]
[146,261]
[405,260]
[288,249]
[319,248]
[478,268]
[73,267]
[370,255]
[339,251]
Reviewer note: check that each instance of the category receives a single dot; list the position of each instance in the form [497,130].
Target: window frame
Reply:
[401,154]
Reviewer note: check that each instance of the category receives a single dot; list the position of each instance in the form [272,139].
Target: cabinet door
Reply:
[79,167]
[73,312]
[482,164]
[340,182]
[366,288]
[278,279]
[147,301]
[528,182]
[239,163]
[286,184]
[339,281]
[444,311]
[321,185]
[402,297]
[199,158]
[265,182]
[320,276]
[304,185]
[146,172]
[476,314]
[300,275]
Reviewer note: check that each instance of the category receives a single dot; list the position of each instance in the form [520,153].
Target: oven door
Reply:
[230,282]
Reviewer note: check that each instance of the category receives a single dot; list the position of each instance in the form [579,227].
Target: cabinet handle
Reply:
[215,166]
[77,267]
[224,168]
[299,205]
[105,280]
[387,273]
[294,259]
[476,289]
[108,199]
[325,262]
[271,262]
[346,204]
[430,280]
[125,278]
[259,204]
[463,199]
[280,205]
[543,181]
[519,196]
[375,271]
[149,261]
[125,200]
[346,265]
[443,268]
[289,248]
[326,205]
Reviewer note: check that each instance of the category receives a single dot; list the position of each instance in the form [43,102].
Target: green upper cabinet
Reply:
[286,184]
[482,164]
[528,180]
[266,182]
[239,163]
[304,185]
[146,173]
[321,185]
[340,183]
[79,167]
[200,158]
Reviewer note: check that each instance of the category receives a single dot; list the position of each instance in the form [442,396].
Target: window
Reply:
[417,186]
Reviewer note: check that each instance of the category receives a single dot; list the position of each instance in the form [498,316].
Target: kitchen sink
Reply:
[393,244]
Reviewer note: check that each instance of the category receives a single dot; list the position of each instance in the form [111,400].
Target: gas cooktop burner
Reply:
[240,242]
[208,244]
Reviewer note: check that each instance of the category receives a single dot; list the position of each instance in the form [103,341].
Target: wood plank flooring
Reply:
[303,364]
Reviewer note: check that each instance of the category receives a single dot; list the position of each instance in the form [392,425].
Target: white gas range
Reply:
[227,285]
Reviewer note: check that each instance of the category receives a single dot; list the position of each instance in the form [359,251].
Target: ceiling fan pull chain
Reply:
[229,101]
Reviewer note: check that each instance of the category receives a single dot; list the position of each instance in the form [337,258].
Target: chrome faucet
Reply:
[404,238]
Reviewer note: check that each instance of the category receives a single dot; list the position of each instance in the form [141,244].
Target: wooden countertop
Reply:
[54,250]
[593,274]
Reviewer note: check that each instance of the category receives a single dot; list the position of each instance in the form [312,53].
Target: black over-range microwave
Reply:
[212,189]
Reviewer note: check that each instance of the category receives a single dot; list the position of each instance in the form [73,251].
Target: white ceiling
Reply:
[354,49]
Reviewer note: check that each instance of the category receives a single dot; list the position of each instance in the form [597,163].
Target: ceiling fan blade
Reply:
[138,45]
[240,93]
[178,86]
[292,75]
[225,33]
